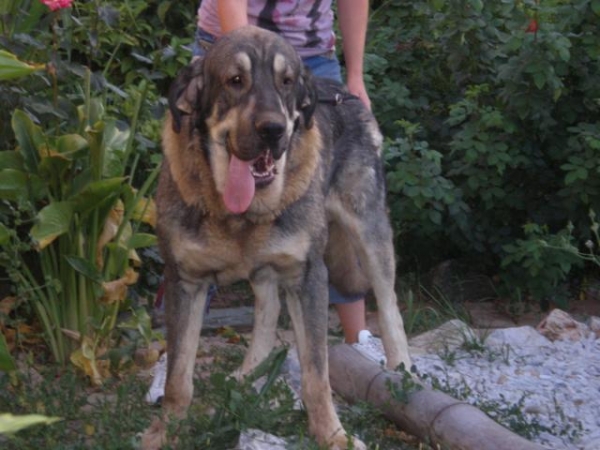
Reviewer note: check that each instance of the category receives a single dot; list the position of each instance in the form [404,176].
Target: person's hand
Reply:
[356,86]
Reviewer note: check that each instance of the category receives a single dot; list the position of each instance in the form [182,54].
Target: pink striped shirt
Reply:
[306,25]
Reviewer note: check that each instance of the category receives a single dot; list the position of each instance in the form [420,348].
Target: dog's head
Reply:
[248,95]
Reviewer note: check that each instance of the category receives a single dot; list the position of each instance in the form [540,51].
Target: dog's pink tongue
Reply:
[239,190]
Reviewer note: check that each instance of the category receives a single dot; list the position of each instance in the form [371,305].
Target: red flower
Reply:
[532,27]
[57,4]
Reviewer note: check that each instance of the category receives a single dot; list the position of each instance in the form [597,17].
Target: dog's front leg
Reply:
[308,307]
[266,313]
[184,308]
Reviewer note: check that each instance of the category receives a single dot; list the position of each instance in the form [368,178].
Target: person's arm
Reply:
[232,14]
[353,16]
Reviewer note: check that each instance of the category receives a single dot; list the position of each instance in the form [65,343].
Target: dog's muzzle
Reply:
[271,128]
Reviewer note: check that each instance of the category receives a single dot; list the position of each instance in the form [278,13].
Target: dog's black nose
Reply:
[270,131]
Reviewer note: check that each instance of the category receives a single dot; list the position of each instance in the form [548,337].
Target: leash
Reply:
[338,99]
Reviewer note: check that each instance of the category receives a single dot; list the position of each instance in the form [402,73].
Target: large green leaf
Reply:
[11,67]
[97,194]
[13,184]
[95,109]
[16,184]
[85,267]
[11,160]
[4,234]
[71,143]
[140,240]
[30,139]
[52,221]
[115,143]
[23,17]
[52,169]
[6,361]
[114,137]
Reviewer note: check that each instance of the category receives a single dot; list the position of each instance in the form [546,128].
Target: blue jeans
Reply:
[326,66]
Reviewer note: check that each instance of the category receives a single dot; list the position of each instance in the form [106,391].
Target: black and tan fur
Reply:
[317,216]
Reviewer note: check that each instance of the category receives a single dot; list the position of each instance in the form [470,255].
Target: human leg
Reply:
[352,314]
[351,311]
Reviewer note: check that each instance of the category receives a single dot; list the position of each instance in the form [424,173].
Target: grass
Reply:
[426,310]
[114,415]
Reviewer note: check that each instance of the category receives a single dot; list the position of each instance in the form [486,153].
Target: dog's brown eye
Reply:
[235,81]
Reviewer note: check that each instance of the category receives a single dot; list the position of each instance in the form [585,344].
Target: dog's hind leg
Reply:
[377,252]
[184,304]
[266,314]
[308,311]
[360,254]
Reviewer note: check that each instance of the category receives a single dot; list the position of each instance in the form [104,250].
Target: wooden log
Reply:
[433,416]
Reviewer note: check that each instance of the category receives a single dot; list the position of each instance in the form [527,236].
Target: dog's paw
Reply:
[238,375]
[395,360]
[341,441]
[155,436]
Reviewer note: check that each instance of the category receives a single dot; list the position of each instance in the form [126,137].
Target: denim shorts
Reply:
[325,66]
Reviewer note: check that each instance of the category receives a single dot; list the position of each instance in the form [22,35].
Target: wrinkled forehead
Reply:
[250,49]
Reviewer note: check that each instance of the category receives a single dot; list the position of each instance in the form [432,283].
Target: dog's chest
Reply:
[231,252]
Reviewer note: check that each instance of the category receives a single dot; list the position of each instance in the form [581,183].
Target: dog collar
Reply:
[338,99]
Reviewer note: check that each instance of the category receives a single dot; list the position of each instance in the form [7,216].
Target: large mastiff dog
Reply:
[274,177]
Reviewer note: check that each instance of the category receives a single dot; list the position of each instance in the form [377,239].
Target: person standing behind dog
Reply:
[308,27]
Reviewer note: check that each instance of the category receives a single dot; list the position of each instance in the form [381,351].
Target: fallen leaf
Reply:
[145,357]
[145,211]
[110,230]
[12,424]
[7,305]
[85,358]
[75,335]
[230,334]
[116,290]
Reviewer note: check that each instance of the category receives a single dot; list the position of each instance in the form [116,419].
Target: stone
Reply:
[559,325]
[259,440]
[448,336]
[594,325]
[524,336]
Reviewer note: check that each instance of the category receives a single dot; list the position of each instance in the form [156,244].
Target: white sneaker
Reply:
[370,347]
[157,388]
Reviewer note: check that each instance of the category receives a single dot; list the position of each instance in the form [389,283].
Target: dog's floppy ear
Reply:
[307,97]
[184,93]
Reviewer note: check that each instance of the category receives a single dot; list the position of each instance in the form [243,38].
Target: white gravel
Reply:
[549,389]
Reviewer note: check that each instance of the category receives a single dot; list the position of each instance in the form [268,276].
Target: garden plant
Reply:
[491,118]
[491,111]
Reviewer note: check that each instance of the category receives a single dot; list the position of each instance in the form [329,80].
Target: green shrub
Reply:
[512,111]
[66,240]
[74,168]
[120,43]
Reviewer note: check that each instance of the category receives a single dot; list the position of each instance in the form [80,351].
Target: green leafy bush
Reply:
[508,95]
[68,241]
[541,261]
[120,43]
[74,171]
